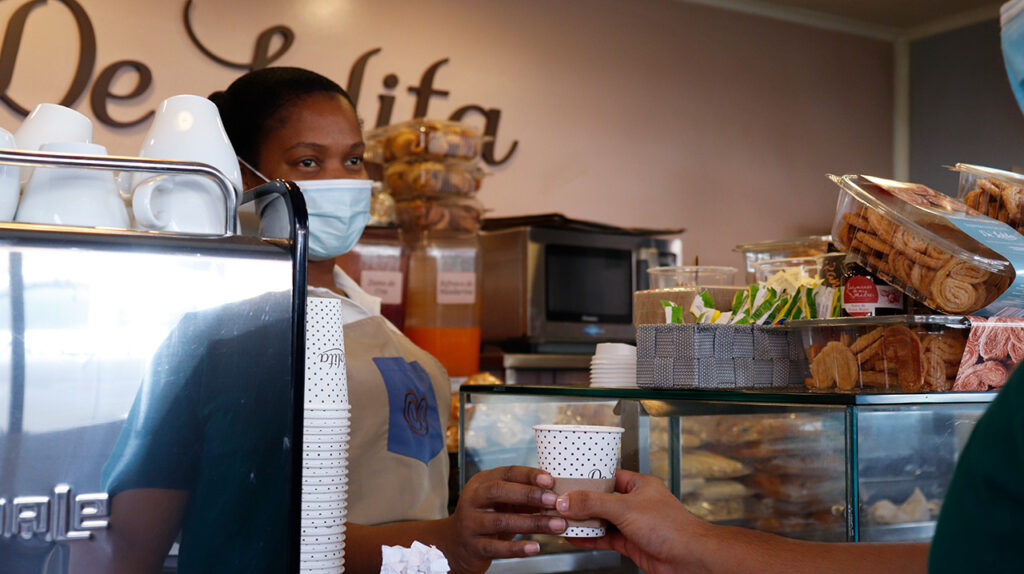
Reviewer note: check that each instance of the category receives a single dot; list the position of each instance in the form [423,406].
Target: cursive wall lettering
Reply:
[12,43]
[101,94]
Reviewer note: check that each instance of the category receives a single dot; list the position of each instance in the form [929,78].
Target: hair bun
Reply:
[219,98]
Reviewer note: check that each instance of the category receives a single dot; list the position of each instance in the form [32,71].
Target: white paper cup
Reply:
[340,411]
[311,511]
[322,539]
[325,498]
[326,426]
[604,350]
[326,381]
[334,452]
[337,529]
[312,448]
[324,436]
[327,522]
[579,452]
[323,476]
[324,464]
[320,551]
[333,563]
[319,489]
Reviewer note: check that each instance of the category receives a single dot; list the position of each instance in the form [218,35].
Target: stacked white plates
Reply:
[613,365]
[325,441]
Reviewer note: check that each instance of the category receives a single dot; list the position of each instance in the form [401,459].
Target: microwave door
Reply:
[588,292]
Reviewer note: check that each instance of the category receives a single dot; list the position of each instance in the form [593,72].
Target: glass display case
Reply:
[816,466]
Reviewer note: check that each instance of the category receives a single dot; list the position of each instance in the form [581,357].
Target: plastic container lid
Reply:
[887,320]
[921,211]
[690,275]
[810,242]
[423,138]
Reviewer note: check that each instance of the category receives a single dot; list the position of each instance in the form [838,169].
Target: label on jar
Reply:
[456,288]
[384,284]
[861,297]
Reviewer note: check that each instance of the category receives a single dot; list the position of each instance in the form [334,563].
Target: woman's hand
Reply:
[494,506]
[651,526]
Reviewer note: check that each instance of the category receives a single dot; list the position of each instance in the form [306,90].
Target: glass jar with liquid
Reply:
[442,312]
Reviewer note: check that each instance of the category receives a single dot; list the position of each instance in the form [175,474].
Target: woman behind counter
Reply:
[290,123]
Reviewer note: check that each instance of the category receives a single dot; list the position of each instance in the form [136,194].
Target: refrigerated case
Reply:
[816,466]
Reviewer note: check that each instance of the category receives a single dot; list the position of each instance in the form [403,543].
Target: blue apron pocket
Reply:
[414,425]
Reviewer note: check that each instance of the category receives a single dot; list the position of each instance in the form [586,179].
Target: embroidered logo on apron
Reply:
[414,425]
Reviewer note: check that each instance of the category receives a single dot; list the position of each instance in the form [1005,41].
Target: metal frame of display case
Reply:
[637,405]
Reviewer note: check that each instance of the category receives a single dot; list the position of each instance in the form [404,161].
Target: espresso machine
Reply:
[150,391]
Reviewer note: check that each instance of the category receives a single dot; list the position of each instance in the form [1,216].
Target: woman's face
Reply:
[316,138]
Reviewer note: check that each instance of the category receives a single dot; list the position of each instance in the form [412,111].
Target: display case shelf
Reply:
[801,464]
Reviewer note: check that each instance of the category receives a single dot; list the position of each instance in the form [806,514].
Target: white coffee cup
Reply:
[180,204]
[73,196]
[10,182]
[189,128]
[51,123]
[185,128]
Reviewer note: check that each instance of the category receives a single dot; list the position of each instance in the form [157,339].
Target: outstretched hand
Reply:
[651,526]
[496,505]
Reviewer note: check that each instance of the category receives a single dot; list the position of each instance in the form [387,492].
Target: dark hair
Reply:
[250,106]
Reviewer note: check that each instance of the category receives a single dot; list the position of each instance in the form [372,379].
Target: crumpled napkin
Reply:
[417,559]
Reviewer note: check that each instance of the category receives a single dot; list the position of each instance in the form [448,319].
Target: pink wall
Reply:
[649,113]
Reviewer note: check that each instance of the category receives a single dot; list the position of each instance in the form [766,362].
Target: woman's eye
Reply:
[354,161]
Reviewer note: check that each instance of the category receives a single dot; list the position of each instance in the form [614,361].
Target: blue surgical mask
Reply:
[1011,20]
[339,210]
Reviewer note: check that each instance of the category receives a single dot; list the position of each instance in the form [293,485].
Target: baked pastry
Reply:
[439,215]
[422,138]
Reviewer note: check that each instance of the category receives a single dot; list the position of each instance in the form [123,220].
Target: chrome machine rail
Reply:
[132,164]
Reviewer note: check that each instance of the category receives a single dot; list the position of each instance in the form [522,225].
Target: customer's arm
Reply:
[494,506]
[659,535]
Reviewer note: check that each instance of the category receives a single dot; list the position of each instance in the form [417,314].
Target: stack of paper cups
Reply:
[324,441]
[613,365]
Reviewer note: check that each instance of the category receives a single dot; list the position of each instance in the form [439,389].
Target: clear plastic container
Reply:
[409,178]
[765,269]
[900,353]
[781,249]
[690,276]
[453,214]
[996,193]
[649,310]
[422,138]
[899,232]
[442,313]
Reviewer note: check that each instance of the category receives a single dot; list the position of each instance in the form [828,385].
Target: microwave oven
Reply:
[564,290]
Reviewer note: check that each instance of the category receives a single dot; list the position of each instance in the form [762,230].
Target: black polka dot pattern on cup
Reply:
[325,383]
[574,451]
[582,532]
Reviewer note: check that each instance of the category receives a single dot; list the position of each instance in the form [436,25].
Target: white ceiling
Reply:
[903,14]
[883,18]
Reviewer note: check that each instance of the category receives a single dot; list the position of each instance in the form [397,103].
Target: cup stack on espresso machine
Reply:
[431,169]
[184,128]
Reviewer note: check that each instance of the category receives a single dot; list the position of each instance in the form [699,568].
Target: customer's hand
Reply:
[651,526]
[494,506]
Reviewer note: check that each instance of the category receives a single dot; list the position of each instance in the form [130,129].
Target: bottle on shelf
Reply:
[866,295]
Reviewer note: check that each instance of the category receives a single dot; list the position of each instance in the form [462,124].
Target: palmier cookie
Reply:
[835,366]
